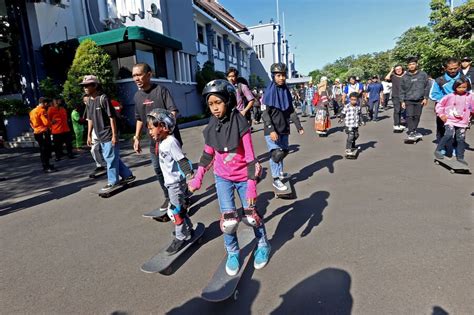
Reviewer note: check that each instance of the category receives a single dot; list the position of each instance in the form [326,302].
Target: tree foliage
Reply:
[449,34]
[206,74]
[49,88]
[89,59]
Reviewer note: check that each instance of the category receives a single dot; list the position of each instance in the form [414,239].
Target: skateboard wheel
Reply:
[436,162]
[168,271]
[200,241]
[452,171]
[236,295]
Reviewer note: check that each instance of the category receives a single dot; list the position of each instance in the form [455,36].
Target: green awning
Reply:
[133,33]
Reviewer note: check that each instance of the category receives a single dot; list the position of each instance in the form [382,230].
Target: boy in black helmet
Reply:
[277,110]
[176,168]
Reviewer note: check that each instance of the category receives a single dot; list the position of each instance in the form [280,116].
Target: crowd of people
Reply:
[228,147]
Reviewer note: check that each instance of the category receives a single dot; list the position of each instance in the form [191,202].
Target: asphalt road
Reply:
[388,233]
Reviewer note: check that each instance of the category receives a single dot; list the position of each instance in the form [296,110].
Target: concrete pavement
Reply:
[389,233]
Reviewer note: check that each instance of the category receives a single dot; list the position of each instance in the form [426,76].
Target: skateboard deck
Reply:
[353,155]
[453,166]
[157,215]
[98,174]
[162,262]
[222,286]
[398,131]
[410,141]
[119,188]
[285,194]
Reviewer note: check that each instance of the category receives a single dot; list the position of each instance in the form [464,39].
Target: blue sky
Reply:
[325,30]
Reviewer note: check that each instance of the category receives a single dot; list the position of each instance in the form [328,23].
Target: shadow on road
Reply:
[326,292]
[439,311]
[367,145]
[248,290]
[308,211]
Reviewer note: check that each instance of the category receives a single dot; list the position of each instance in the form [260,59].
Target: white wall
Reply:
[52,21]
[124,9]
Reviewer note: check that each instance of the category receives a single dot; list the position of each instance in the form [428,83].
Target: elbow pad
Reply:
[206,160]
[186,167]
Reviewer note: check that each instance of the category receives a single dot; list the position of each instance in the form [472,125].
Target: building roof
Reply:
[133,33]
[213,8]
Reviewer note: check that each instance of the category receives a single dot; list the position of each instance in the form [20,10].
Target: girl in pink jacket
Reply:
[228,147]
[455,110]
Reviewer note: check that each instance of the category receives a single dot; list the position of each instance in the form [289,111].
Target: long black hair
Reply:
[460,81]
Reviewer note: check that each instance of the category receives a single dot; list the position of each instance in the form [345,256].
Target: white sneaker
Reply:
[278,184]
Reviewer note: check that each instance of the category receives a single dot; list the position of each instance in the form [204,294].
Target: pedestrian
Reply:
[414,90]
[338,102]
[228,148]
[354,86]
[374,98]
[257,111]
[96,150]
[442,86]
[175,168]
[308,102]
[455,110]
[57,114]
[40,123]
[277,110]
[101,117]
[148,97]
[322,121]
[78,127]
[395,76]
[387,90]
[467,69]
[350,115]
[245,98]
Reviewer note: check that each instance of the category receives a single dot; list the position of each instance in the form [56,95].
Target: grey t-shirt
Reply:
[100,110]
[169,154]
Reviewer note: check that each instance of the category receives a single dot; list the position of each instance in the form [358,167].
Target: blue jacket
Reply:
[437,92]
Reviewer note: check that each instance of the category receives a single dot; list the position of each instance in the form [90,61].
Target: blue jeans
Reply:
[225,195]
[309,103]
[115,166]
[374,109]
[281,143]
[452,133]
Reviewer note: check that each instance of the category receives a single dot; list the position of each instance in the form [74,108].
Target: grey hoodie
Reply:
[414,87]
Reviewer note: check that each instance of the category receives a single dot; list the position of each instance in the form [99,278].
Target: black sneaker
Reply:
[99,169]
[165,205]
[175,246]
[127,180]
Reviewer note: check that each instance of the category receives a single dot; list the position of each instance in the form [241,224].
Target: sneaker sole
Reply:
[230,272]
[285,189]
[259,266]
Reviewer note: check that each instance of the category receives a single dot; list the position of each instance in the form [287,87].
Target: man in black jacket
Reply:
[414,90]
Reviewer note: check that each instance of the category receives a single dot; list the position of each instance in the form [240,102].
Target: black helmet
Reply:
[278,68]
[222,88]
[164,116]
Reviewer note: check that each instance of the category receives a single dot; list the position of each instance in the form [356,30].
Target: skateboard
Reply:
[118,188]
[354,154]
[222,286]
[162,262]
[398,130]
[453,166]
[158,215]
[285,194]
[411,141]
[322,133]
[98,174]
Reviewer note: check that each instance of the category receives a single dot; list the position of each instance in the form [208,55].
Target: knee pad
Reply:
[278,155]
[176,214]
[251,217]
[229,222]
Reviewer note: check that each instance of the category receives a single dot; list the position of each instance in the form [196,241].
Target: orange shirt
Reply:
[39,120]
[58,118]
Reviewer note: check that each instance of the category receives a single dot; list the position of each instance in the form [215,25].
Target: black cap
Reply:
[466,59]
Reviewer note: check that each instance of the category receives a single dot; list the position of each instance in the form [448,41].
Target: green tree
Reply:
[89,59]
[49,88]
[356,72]
[206,74]
[256,82]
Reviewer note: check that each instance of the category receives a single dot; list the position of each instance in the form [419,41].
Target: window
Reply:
[232,50]
[145,54]
[200,33]
[183,71]
[219,43]
[125,55]
[160,58]
[260,51]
